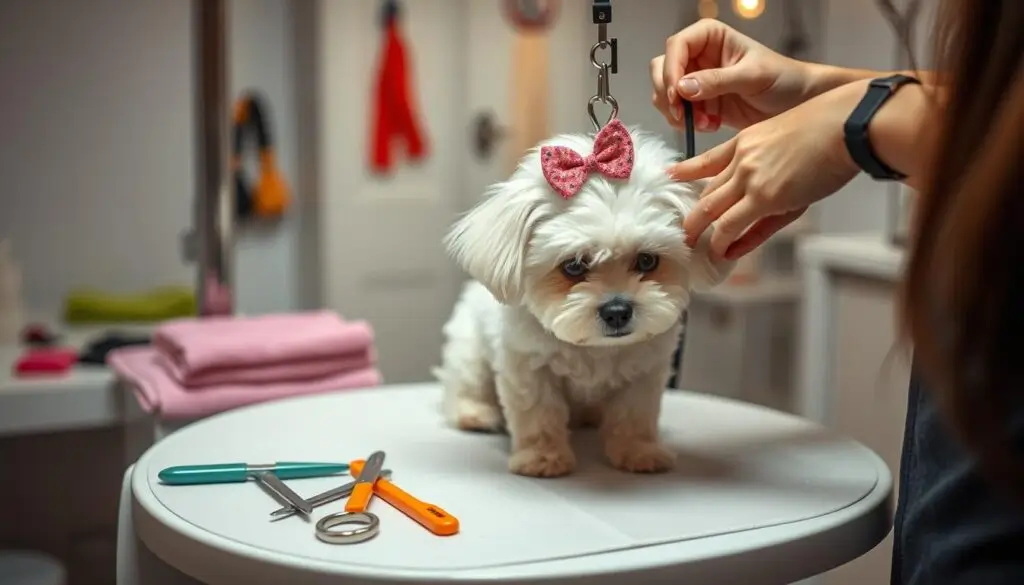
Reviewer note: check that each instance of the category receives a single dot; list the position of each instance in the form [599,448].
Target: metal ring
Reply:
[368,527]
[608,100]
[593,53]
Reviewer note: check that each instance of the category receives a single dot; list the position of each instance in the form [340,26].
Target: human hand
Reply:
[767,175]
[730,78]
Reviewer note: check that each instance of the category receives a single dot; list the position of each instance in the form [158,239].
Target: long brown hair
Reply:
[962,304]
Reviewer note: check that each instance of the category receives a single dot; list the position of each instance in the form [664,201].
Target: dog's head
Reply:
[604,264]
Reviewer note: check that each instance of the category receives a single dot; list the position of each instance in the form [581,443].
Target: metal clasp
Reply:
[604,72]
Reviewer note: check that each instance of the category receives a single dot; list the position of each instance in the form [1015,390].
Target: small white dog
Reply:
[582,278]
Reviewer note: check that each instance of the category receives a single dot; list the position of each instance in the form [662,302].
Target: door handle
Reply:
[486,134]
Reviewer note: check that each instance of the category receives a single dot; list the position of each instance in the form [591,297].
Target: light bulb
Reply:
[708,9]
[748,8]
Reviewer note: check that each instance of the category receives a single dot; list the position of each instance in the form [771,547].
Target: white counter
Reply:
[822,257]
[85,397]
[865,254]
[846,378]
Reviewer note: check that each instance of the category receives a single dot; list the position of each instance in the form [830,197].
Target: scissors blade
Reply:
[331,495]
[363,490]
[285,493]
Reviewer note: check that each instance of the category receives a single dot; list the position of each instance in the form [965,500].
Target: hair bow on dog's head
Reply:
[567,170]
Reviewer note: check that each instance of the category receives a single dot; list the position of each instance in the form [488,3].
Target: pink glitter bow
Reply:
[566,170]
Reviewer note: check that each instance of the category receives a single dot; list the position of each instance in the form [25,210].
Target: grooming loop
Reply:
[604,94]
[362,526]
[602,16]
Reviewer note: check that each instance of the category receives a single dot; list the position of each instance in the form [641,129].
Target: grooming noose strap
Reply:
[602,17]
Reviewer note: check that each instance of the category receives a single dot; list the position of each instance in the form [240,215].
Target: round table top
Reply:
[752,486]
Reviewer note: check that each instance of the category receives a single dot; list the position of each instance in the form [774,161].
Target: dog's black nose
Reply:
[616,313]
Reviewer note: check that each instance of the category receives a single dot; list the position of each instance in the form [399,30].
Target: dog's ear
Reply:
[705,273]
[490,241]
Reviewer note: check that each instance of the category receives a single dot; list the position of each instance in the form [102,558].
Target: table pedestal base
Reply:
[136,564]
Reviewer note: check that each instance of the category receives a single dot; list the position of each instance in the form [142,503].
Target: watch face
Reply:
[892,82]
[885,83]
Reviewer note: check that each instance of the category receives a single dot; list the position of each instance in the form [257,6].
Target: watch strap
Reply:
[855,131]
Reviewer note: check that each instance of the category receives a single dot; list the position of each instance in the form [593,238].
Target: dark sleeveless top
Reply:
[952,527]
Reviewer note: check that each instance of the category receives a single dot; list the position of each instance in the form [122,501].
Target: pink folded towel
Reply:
[269,348]
[269,373]
[159,393]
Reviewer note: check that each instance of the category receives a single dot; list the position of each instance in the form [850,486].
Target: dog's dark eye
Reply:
[574,268]
[646,262]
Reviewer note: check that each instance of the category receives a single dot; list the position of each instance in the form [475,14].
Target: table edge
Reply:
[824,542]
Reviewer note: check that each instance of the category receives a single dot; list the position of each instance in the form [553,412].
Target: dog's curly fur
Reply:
[525,349]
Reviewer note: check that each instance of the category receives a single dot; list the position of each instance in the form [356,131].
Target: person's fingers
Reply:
[702,166]
[657,77]
[702,121]
[679,50]
[707,84]
[732,224]
[659,97]
[673,68]
[760,232]
[714,202]
[712,114]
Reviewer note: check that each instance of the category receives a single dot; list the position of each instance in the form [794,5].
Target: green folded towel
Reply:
[159,304]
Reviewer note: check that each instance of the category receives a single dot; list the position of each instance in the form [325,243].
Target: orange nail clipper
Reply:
[366,477]
[430,516]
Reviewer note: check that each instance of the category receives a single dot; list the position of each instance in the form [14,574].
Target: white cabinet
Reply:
[854,375]
[739,342]
[740,338]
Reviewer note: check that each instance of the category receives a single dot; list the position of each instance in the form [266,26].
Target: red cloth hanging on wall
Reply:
[394,118]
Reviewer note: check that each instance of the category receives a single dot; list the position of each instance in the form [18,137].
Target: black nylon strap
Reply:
[855,131]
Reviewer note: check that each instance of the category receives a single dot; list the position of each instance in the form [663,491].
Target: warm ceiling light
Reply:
[748,8]
[708,9]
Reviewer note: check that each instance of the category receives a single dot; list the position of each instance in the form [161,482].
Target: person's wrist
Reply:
[897,126]
[821,78]
[816,79]
[844,100]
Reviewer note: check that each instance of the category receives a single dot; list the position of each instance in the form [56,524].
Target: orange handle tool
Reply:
[359,499]
[427,515]
[367,475]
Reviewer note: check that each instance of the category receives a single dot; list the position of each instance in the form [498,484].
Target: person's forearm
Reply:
[822,78]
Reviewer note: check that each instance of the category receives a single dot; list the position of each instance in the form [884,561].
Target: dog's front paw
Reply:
[543,461]
[477,416]
[641,457]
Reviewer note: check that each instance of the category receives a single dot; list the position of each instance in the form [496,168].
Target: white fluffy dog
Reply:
[582,278]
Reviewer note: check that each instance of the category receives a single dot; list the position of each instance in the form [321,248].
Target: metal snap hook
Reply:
[603,44]
[593,115]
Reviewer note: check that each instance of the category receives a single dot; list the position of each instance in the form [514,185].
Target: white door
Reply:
[380,247]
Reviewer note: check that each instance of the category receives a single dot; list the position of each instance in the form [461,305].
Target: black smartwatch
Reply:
[855,131]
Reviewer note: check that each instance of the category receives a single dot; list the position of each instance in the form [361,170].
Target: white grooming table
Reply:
[758,497]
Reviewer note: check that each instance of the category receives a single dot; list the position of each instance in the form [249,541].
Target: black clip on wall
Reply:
[602,13]
[390,11]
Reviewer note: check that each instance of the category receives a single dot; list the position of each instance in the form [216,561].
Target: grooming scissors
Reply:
[331,495]
[282,492]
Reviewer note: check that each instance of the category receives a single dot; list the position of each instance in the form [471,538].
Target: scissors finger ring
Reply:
[363,527]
